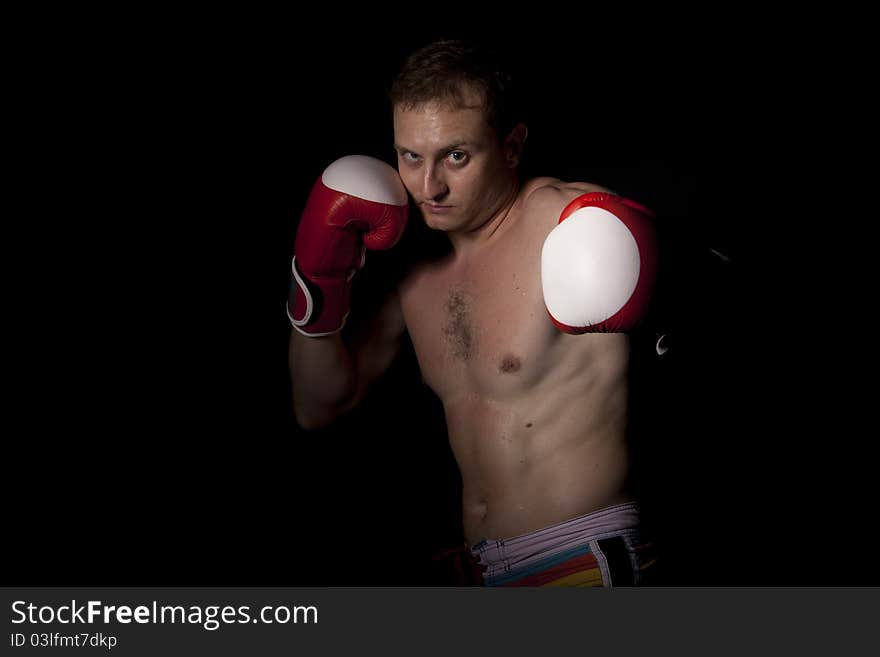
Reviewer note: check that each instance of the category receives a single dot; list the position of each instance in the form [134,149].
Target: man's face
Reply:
[452,163]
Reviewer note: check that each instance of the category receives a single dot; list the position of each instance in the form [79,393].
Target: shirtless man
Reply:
[503,327]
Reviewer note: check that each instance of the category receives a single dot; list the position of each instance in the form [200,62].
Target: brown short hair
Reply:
[443,70]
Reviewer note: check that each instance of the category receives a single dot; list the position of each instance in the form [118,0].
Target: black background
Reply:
[163,163]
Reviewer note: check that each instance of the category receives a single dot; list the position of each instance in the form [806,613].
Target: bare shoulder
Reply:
[544,199]
[544,192]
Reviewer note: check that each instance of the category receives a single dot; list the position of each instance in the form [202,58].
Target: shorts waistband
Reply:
[617,520]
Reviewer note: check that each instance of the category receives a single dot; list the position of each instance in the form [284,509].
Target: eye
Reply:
[457,157]
[408,157]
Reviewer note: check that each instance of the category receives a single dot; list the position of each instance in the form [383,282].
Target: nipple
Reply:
[509,364]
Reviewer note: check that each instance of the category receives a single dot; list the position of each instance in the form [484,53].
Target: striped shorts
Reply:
[602,548]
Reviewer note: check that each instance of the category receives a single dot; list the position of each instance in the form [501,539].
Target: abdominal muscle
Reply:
[544,454]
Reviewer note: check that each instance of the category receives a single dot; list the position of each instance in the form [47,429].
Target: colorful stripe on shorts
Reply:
[574,567]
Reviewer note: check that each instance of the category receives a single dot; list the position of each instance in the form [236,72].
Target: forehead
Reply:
[435,123]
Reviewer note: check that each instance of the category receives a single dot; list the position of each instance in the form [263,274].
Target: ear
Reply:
[513,144]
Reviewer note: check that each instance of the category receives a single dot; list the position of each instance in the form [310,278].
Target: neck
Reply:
[467,240]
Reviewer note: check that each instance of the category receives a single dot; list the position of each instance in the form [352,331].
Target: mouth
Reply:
[436,208]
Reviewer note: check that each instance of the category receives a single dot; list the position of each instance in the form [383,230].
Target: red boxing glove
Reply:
[357,202]
[598,265]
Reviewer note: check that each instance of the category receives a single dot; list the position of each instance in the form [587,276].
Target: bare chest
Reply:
[481,327]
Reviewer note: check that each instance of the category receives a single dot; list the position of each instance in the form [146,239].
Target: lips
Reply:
[435,208]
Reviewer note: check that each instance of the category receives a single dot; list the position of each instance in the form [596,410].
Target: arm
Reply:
[330,375]
[358,203]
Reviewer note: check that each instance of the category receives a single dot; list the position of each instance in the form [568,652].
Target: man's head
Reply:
[457,133]
[444,72]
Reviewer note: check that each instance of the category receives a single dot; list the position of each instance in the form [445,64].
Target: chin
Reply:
[437,222]
[436,225]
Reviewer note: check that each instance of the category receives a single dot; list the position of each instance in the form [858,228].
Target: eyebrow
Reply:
[445,149]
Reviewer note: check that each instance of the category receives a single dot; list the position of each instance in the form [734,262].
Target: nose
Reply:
[434,186]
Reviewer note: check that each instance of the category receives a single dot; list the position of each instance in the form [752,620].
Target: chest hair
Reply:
[458,327]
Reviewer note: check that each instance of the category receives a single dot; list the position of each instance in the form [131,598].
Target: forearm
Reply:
[324,378]
[357,203]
